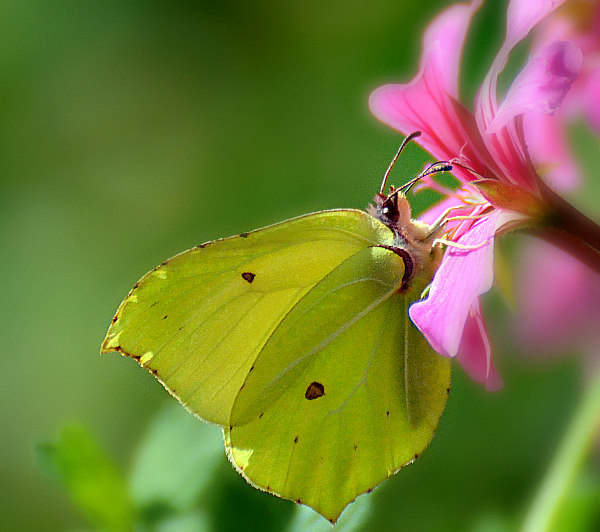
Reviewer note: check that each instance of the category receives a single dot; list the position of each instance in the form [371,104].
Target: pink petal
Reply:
[475,354]
[428,103]
[591,99]
[435,211]
[449,29]
[506,146]
[543,83]
[549,149]
[558,297]
[521,17]
[460,279]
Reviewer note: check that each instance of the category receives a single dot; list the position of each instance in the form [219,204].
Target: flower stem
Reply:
[569,229]
[570,244]
[565,466]
[564,216]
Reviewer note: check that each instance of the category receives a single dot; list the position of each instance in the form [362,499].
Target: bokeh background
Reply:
[132,130]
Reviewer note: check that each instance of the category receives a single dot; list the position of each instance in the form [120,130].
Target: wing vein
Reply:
[404,315]
[337,333]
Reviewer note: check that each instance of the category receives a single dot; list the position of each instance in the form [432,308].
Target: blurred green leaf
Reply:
[236,505]
[581,508]
[95,484]
[492,521]
[194,521]
[173,465]
[305,519]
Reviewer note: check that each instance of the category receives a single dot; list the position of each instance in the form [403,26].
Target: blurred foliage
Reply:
[131,130]
[175,484]
[94,482]
[180,481]
[580,510]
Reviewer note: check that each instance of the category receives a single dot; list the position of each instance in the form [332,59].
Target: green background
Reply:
[132,130]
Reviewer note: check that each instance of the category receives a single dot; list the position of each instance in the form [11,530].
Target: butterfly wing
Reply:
[343,394]
[198,320]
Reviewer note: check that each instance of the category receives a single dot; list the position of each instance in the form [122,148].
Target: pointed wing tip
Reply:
[106,347]
[110,343]
[333,516]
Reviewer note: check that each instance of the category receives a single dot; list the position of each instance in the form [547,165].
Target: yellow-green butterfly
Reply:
[296,339]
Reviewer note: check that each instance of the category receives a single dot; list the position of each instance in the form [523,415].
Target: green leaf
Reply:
[581,508]
[195,521]
[95,484]
[174,463]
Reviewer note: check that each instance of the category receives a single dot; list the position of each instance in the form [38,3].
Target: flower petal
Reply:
[591,97]
[507,146]
[557,304]
[543,83]
[449,29]
[521,17]
[550,152]
[460,279]
[436,210]
[475,353]
[428,103]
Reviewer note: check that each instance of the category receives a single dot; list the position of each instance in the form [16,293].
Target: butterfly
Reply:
[296,340]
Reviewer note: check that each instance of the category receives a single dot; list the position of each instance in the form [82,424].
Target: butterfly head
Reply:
[392,210]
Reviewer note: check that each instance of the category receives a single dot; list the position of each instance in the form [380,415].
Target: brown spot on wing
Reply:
[314,391]
[296,439]
[248,276]
[244,235]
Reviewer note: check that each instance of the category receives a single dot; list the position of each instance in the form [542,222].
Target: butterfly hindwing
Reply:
[344,393]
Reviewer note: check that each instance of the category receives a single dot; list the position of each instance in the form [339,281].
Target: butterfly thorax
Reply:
[414,241]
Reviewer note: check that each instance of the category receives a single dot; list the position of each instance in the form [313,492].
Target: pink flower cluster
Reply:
[507,142]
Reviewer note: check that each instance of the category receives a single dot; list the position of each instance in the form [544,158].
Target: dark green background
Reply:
[132,130]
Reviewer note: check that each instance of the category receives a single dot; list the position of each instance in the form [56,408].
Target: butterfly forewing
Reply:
[199,320]
[335,307]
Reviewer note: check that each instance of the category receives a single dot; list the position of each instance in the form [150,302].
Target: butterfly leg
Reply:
[465,247]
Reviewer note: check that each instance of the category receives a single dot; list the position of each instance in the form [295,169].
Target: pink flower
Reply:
[488,142]
[577,21]
[557,296]
[557,301]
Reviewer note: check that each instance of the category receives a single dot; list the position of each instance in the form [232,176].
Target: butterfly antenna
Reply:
[413,135]
[434,168]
